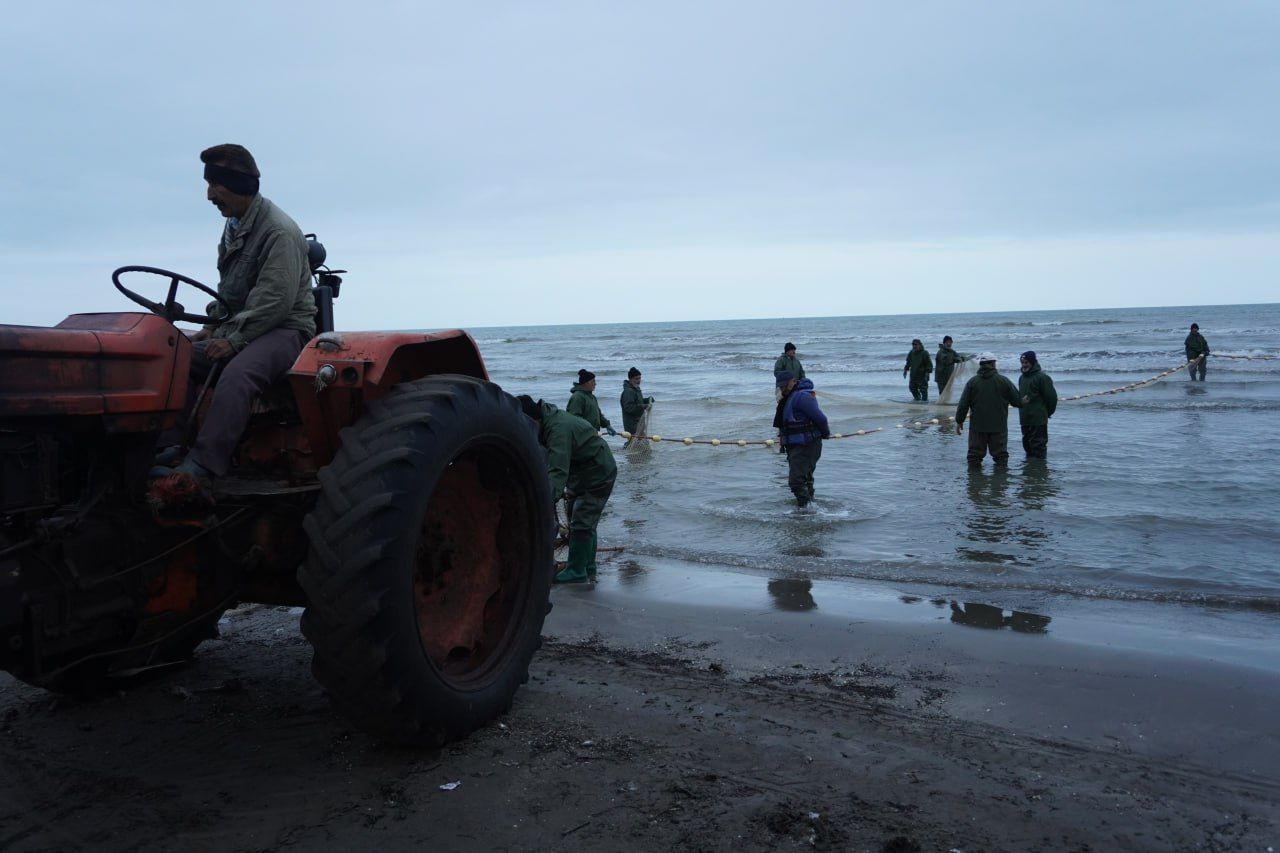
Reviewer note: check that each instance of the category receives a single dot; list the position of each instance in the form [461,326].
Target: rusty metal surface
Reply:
[116,365]
[460,573]
[368,365]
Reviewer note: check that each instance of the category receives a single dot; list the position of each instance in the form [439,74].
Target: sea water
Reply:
[1167,493]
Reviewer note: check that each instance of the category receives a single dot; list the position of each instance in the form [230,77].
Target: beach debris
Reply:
[450,786]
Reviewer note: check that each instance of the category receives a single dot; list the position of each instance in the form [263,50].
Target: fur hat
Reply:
[530,408]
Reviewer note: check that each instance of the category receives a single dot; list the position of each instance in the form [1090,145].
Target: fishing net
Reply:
[643,428]
[959,376]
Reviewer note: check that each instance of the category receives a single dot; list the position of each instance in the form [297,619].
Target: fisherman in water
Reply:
[919,366]
[802,427]
[583,402]
[634,402]
[989,395]
[1040,402]
[1197,352]
[788,362]
[944,364]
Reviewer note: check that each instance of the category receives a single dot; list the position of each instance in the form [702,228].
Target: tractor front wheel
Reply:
[429,571]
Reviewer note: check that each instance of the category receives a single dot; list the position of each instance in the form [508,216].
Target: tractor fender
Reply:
[338,374]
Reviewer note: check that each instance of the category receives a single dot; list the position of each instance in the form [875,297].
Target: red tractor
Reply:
[385,485]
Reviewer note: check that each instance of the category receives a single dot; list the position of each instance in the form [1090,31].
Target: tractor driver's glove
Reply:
[610,430]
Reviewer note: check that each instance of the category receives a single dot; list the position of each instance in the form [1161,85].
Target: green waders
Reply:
[584,513]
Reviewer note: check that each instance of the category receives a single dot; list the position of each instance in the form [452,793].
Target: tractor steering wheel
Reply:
[172,310]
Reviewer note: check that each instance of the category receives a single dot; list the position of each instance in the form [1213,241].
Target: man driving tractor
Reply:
[265,283]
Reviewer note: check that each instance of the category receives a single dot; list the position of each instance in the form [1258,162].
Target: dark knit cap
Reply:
[782,377]
[585,376]
[633,373]
[788,346]
[529,407]
[1030,355]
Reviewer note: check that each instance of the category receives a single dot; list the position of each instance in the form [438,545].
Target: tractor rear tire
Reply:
[430,565]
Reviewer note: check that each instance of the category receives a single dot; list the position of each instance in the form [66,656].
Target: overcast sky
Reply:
[552,162]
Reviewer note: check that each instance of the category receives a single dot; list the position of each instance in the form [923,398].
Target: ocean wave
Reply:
[1128,403]
[1169,355]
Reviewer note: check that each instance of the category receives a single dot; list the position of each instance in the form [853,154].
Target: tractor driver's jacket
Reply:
[989,395]
[799,420]
[577,457]
[264,277]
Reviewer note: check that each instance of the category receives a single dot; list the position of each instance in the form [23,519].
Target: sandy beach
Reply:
[751,714]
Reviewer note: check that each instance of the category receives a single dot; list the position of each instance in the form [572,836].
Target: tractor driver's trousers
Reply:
[246,375]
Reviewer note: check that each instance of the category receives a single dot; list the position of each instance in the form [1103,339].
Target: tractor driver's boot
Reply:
[195,470]
[169,456]
[575,570]
[591,561]
[182,489]
[165,461]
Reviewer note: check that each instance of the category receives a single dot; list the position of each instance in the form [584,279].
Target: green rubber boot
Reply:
[591,562]
[575,569]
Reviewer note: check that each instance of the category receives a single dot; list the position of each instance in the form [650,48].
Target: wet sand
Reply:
[742,713]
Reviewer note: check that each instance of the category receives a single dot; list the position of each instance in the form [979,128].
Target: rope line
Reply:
[1133,386]
[738,442]
[1247,357]
[916,424]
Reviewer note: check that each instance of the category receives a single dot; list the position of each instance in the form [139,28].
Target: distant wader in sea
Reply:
[944,364]
[919,366]
[960,374]
[1197,352]
[788,362]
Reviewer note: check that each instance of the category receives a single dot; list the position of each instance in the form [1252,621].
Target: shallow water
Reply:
[1168,493]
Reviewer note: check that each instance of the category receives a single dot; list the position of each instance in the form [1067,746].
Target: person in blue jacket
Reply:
[802,427]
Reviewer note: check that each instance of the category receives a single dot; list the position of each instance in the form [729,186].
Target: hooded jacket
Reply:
[264,277]
[918,364]
[585,405]
[989,395]
[1042,397]
[945,364]
[799,419]
[1196,346]
[789,363]
[633,403]
[577,457]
